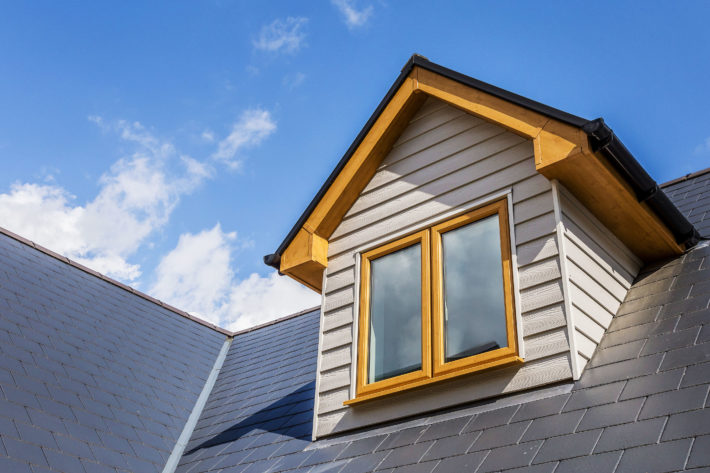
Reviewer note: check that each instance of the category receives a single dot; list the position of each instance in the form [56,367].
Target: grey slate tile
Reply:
[686,356]
[553,426]
[28,452]
[700,453]
[541,407]
[512,456]
[633,434]
[14,466]
[7,428]
[406,455]
[32,434]
[687,424]
[501,436]
[668,456]
[60,461]
[672,402]
[468,462]
[451,446]
[402,438]
[616,353]
[620,371]
[594,396]
[567,446]
[697,374]
[323,455]
[640,317]
[361,446]
[539,468]
[73,446]
[652,384]
[444,429]
[694,319]
[364,463]
[287,462]
[492,418]
[601,463]
[610,414]
[670,341]
[425,467]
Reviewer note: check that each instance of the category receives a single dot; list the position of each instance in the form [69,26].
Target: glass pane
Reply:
[395,314]
[474,309]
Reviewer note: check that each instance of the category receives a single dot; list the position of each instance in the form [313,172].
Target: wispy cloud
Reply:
[292,81]
[282,35]
[703,148]
[136,195]
[198,276]
[354,18]
[208,136]
[252,127]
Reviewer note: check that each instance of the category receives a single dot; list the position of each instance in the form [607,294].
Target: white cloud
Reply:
[291,81]
[136,197]
[354,18]
[207,136]
[703,147]
[282,35]
[197,276]
[251,129]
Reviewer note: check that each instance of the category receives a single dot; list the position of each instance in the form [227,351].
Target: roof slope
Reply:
[262,403]
[691,194]
[92,377]
[641,405]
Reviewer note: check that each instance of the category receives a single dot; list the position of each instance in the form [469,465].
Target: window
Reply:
[436,304]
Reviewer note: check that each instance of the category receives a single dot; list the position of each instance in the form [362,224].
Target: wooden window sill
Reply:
[497,363]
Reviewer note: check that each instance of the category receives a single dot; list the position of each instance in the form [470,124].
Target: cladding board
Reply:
[443,161]
[601,270]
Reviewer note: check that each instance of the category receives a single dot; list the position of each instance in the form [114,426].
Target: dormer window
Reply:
[437,303]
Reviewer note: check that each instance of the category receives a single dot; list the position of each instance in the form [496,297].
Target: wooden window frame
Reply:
[434,366]
[396,382]
[487,359]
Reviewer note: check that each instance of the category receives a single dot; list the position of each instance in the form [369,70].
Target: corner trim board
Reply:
[564,276]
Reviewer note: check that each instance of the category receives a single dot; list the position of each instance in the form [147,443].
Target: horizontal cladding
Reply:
[94,366]
[600,270]
[444,160]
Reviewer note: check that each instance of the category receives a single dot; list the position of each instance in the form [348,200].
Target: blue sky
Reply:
[172,145]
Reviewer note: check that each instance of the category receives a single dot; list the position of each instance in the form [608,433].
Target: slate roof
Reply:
[92,377]
[96,378]
[691,194]
[639,406]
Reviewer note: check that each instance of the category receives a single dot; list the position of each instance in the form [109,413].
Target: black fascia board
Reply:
[600,136]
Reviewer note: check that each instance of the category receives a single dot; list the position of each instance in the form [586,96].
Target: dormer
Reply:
[471,243]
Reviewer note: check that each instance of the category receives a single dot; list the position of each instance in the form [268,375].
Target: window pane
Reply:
[395,314]
[474,308]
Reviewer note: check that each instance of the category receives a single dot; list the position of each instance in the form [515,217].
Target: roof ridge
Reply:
[276,321]
[116,283]
[685,178]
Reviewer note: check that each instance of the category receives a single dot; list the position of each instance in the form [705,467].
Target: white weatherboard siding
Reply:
[600,269]
[445,159]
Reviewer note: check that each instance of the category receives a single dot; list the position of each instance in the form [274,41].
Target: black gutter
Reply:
[601,138]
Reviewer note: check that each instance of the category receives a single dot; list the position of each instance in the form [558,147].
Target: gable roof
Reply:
[571,149]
